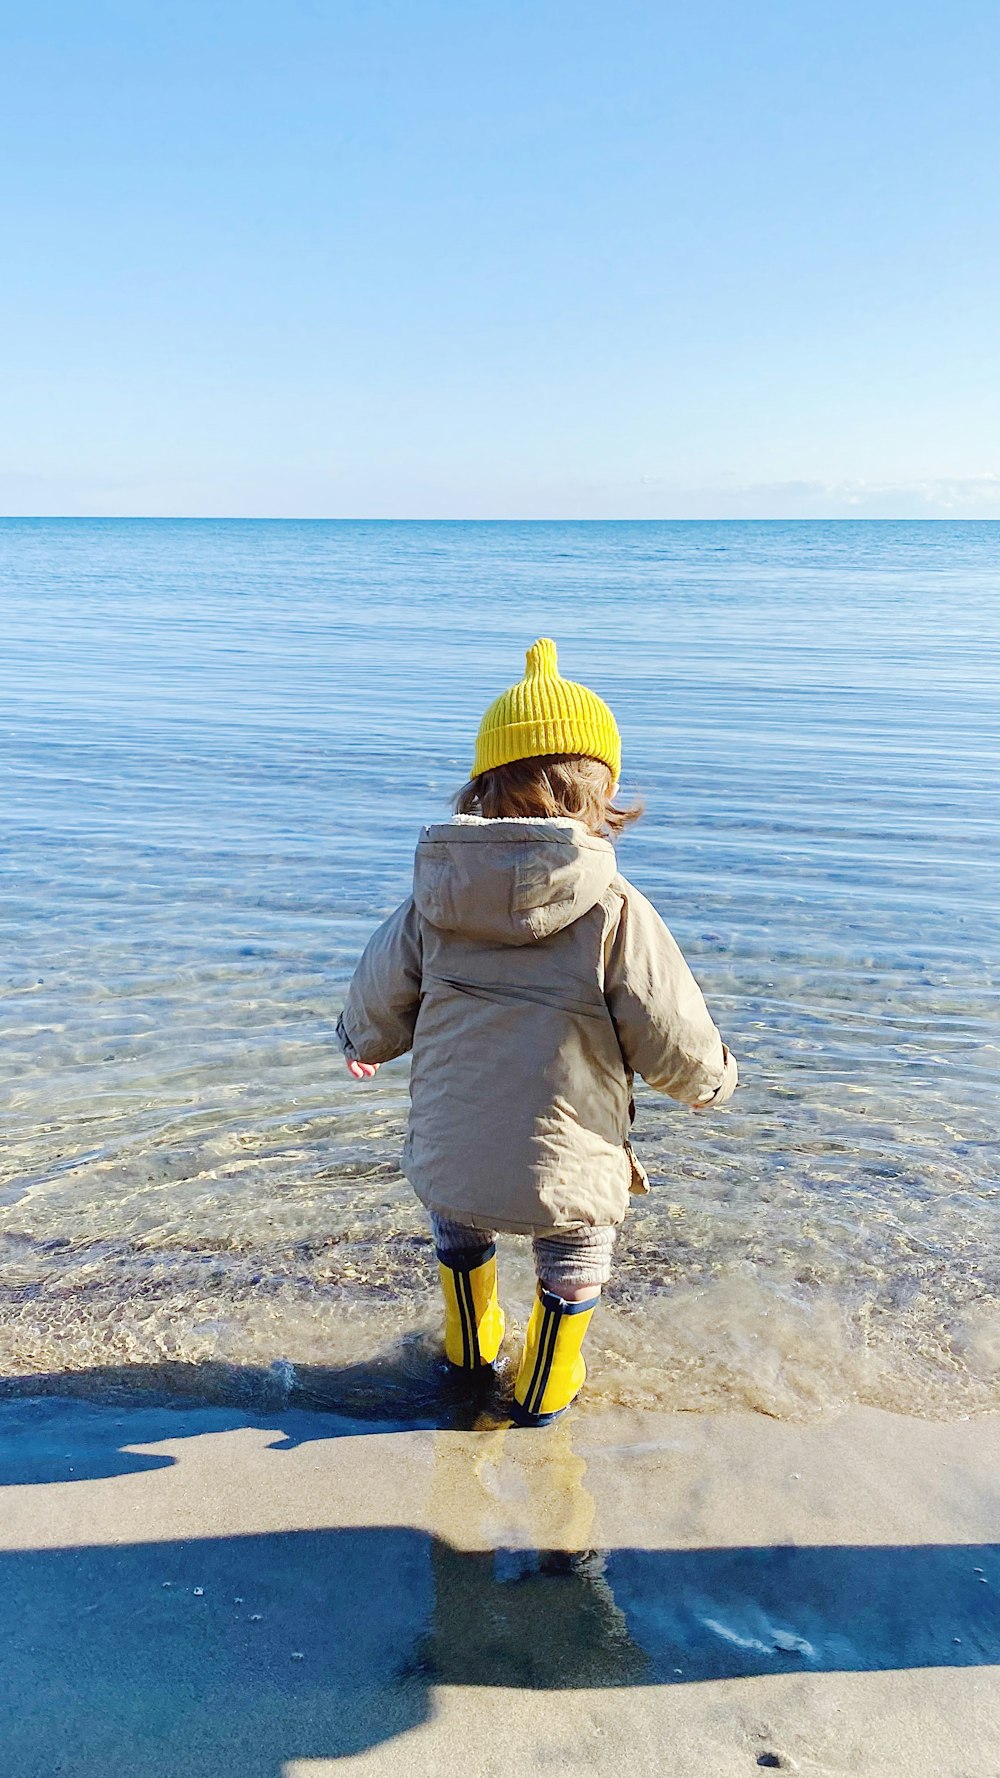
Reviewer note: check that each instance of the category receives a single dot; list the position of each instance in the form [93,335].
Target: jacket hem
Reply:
[506,1225]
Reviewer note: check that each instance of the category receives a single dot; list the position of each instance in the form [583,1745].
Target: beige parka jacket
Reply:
[531,982]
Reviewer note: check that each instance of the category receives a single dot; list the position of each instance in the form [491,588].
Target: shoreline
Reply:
[709,1350]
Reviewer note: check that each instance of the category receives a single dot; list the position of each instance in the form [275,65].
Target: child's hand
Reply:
[362,1070]
[728,1085]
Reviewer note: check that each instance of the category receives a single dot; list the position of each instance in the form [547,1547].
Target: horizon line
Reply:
[508,519]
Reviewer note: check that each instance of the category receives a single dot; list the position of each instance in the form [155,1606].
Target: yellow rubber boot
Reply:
[473,1318]
[552,1371]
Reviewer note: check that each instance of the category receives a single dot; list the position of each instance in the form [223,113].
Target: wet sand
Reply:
[195,1590]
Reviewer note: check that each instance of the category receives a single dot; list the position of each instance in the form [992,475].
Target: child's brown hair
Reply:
[570,784]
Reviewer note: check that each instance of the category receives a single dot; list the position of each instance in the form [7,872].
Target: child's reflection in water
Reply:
[532,1608]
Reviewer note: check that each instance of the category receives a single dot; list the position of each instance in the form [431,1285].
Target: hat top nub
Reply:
[541,660]
[544,713]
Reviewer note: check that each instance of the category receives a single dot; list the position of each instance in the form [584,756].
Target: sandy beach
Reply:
[195,1590]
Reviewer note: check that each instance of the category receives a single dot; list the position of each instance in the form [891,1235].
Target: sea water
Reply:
[219,741]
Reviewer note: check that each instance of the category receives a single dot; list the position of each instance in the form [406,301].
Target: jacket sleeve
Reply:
[384,996]
[664,1027]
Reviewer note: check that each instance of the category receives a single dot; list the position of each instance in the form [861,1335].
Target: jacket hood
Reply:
[509,882]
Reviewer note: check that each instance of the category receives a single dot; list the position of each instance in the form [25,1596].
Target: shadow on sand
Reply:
[318,1644]
[235,1654]
[78,1425]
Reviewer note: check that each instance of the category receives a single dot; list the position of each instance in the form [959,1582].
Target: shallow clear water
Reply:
[218,741]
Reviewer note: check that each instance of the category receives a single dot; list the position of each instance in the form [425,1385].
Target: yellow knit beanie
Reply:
[546,714]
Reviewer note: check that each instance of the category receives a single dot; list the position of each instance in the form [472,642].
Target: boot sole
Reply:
[522,1417]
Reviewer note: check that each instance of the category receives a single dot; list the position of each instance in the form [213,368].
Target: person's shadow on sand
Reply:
[233,1655]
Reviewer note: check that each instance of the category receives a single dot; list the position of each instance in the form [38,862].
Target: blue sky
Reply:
[530,258]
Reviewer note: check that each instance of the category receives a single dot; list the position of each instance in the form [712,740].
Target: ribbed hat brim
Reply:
[543,714]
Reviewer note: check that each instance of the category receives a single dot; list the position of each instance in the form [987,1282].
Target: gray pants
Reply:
[564,1260]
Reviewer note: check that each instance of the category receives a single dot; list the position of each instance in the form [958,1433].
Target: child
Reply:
[531,982]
